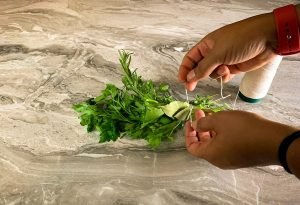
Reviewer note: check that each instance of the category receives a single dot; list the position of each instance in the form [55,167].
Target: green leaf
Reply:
[183,114]
[153,114]
[81,107]
[164,87]
[109,131]
[154,141]
[165,120]
[173,107]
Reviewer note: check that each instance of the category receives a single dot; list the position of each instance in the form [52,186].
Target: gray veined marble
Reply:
[56,53]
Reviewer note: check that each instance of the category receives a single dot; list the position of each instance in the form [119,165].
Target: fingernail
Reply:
[191,75]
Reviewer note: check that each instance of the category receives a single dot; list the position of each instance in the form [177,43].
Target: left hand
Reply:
[235,139]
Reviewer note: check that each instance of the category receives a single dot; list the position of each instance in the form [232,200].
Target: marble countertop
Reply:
[56,53]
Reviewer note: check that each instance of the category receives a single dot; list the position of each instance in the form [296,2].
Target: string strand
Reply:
[221,89]
[235,100]
[187,96]
[221,82]
[190,106]
[188,101]
[224,97]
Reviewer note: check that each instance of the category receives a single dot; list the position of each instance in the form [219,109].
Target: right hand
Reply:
[239,47]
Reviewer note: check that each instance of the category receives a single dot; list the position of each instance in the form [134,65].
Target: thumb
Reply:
[199,114]
[204,124]
[204,68]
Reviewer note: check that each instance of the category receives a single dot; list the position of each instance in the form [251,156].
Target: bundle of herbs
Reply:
[139,110]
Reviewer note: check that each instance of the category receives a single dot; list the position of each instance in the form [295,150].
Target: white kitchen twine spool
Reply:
[256,84]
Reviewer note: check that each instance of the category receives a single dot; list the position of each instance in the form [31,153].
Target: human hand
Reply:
[239,47]
[235,139]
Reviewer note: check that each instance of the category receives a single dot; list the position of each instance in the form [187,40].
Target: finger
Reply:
[194,56]
[189,61]
[203,136]
[227,78]
[193,145]
[191,86]
[199,114]
[234,69]
[183,72]
[190,135]
[197,148]
[221,70]
[189,131]
[257,62]
[224,71]
[204,68]
[192,142]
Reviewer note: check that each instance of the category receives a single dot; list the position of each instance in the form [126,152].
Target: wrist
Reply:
[278,132]
[269,31]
